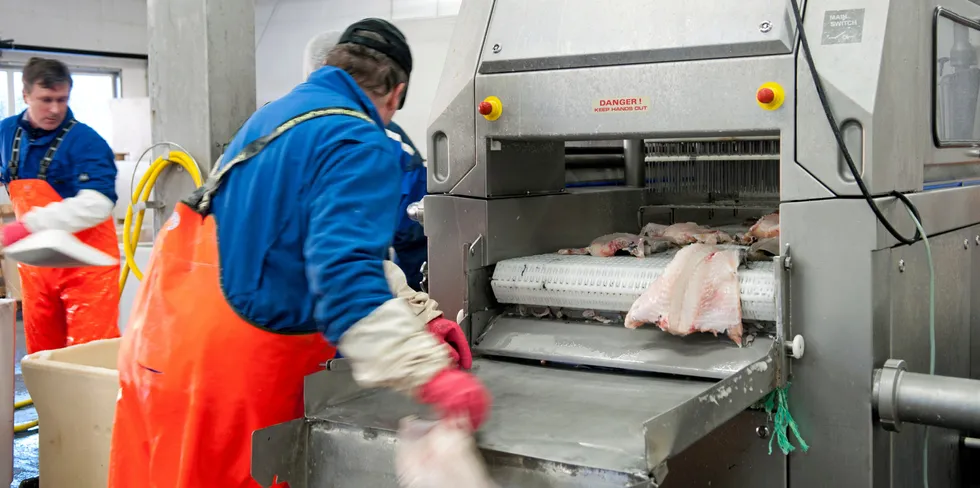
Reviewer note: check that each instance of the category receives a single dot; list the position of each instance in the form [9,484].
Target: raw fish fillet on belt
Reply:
[685,233]
[698,292]
[608,245]
[438,455]
[766,228]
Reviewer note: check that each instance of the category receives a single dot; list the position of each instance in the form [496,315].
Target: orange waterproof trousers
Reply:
[196,379]
[65,306]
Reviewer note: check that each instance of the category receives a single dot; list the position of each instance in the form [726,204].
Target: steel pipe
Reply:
[636,166]
[939,401]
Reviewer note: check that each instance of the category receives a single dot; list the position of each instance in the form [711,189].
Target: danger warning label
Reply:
[627,104]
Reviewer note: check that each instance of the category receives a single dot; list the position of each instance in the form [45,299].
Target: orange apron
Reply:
[196,379]
[68,305]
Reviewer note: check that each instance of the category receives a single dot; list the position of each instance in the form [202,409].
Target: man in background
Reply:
[61,175]
[409,243]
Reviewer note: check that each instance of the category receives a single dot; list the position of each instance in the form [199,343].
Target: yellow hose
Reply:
[131,235]
[26,425]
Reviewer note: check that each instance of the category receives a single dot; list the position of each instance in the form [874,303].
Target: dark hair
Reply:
[376,73]
[48,73]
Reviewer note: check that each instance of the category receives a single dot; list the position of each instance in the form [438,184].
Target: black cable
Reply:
[843,147]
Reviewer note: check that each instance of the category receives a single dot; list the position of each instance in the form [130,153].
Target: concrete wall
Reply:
[282,29]
[117,26]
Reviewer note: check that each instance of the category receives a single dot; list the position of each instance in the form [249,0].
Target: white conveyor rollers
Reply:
[613,284]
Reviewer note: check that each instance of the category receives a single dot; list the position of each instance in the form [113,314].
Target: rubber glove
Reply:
[452,335]
[12,233]
[454,393]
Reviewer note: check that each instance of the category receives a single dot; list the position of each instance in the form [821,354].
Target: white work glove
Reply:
[83,211]
[392,348]
[421,304]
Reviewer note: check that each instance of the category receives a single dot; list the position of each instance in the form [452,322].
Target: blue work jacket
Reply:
[304,225]
[84,160]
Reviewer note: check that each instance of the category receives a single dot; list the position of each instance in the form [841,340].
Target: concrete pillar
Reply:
[202,82]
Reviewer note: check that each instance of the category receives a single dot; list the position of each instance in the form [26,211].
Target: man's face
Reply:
[47,107]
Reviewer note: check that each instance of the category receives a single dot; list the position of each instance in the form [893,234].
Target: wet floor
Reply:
[25,443]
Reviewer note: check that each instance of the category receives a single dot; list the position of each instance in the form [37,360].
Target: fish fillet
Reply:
[608,245]
[698,292]
[685,233]
[438,455]
[766,228]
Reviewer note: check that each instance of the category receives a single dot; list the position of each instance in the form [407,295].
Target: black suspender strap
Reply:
[42,172]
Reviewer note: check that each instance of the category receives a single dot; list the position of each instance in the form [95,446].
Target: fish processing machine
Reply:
[594,117]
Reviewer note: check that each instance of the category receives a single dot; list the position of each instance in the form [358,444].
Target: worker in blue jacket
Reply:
[273,263]
[409,245]
[61,175]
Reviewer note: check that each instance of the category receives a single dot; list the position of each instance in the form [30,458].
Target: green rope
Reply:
[777,406]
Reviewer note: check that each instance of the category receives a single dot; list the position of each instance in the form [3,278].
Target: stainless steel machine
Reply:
[560,121]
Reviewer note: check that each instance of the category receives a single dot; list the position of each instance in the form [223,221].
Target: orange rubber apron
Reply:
[63,306]
[196,378]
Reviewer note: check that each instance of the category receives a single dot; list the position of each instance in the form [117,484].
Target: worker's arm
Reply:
[95,170]
[352,218]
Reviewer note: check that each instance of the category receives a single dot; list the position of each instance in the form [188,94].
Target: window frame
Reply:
[943,12]
[8,68]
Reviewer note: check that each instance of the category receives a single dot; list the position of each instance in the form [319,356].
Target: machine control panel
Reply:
[770,96]
[491,108]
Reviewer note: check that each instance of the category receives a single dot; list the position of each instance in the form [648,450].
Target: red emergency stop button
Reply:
[770,96]
[491,108]
[765,95]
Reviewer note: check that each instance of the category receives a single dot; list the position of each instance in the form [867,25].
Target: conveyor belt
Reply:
[612,284]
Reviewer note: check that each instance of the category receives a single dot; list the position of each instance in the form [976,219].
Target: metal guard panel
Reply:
[541,34]
[338,455]
[549,427]
[646,349]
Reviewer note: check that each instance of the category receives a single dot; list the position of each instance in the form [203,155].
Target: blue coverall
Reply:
[410,243]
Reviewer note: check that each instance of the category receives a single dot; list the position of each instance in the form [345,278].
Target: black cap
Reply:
[395,47]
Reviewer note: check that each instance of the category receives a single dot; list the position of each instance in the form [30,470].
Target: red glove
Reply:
[449,332]
[12,233]
[454,393]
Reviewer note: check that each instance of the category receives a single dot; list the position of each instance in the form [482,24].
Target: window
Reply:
[4,95]
[89,101]
[956,79]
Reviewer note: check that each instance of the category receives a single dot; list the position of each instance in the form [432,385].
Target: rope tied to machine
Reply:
[776,405]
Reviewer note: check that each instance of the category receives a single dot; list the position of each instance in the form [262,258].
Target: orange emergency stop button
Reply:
[770,96]
[491,108]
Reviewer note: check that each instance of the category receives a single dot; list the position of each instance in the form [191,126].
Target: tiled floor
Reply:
[25,443]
